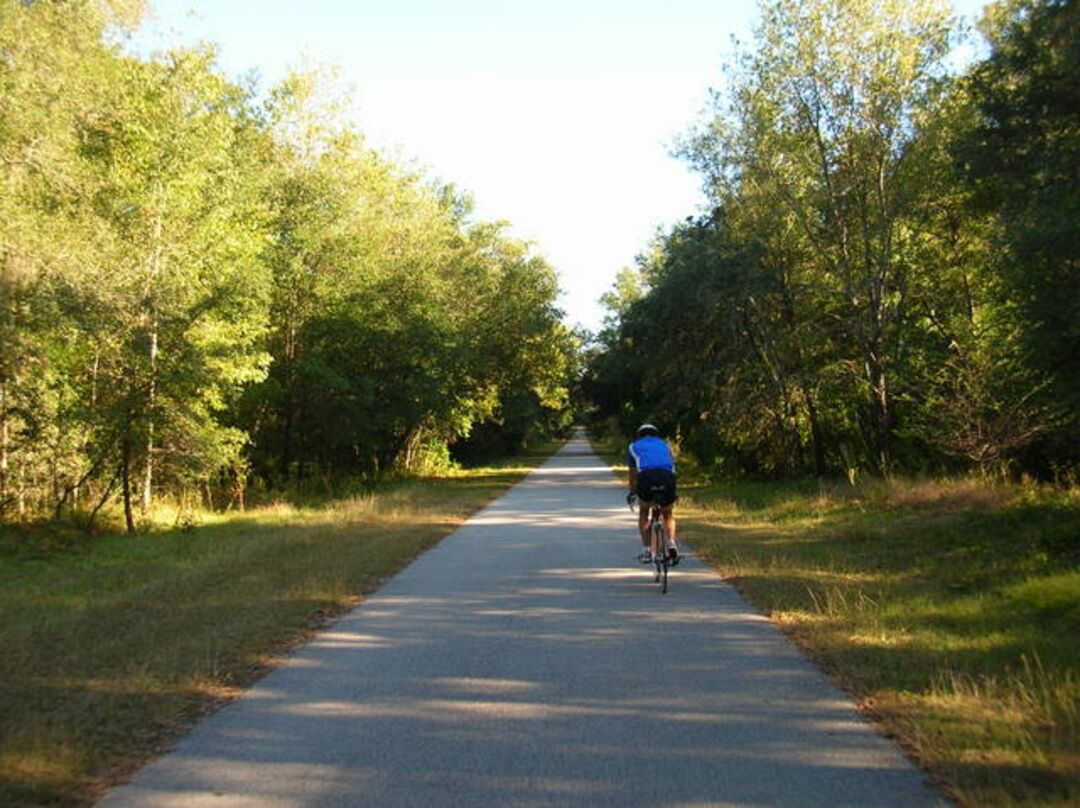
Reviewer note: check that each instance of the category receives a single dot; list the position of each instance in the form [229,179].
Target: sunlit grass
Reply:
[112,644]
[950,608]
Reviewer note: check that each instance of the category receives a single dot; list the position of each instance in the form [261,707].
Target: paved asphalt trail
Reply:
[528,660]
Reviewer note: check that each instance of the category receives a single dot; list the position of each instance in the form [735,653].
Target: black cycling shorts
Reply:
[657,485]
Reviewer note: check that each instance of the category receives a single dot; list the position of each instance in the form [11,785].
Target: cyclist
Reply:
[652,479]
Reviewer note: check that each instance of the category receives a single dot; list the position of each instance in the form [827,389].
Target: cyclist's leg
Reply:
[668,503]
[656,538]
[643,530]
[669,522]
[643,522]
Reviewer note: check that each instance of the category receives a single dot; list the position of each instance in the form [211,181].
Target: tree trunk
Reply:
[20,490]
[880,409]
[105,496]
[156,267]
[129,517]
[288,403]
[816,436]
[883,422]
[3,447]
[148,478]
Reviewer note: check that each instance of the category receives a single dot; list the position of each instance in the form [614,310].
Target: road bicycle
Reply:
[658,543]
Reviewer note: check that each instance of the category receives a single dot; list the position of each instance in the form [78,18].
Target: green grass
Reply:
[950,609]
[115,644]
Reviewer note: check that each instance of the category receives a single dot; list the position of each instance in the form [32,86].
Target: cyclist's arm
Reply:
[633,478]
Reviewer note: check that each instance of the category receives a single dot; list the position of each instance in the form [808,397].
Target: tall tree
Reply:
[52,60]
[821,117]
[1022,155]
[184,294]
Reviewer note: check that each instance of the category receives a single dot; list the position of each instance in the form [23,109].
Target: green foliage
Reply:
[1020,155]
[179,290]
[48,62]
[860,298]
[196,287]
[400,324]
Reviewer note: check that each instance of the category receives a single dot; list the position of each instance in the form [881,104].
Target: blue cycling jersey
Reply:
[650,452]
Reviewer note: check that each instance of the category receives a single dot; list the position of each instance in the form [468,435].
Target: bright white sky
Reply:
[557,115]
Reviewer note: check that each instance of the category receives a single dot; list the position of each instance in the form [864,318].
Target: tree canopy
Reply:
[202,285]
[887,280]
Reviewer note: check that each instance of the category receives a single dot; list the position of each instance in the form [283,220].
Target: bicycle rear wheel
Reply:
[660,557]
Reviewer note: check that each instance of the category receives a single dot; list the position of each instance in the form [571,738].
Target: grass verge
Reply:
[949,609]
[114,645]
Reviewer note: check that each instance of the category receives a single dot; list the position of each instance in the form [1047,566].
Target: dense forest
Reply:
[888,279]
[206,285]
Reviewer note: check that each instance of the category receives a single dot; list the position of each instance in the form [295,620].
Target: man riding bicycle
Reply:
[652,480]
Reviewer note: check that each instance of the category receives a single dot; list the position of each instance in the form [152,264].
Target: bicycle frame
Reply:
[658,542]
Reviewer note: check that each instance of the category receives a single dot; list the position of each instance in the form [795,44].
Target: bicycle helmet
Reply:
[647,429]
